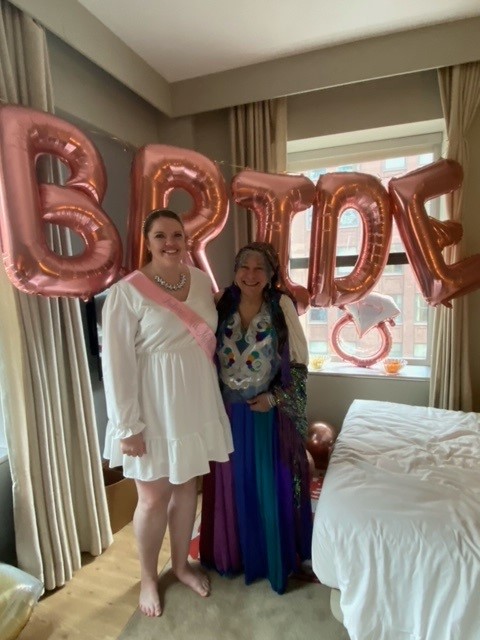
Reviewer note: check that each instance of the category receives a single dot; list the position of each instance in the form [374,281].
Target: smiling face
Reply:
[253,274]
[166,242]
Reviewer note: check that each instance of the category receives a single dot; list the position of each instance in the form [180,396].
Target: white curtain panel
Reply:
[258,137]
[60,507]
[450,384]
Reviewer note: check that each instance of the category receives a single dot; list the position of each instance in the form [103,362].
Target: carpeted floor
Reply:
[236,612]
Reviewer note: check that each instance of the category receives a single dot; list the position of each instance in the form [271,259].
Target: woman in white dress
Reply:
[166,416]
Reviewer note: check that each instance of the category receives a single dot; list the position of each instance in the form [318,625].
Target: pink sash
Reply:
[194,323]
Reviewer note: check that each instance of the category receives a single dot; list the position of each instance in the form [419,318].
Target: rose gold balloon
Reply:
[276,199]
[337,192]
[157,171]
[320,441]
[26,206]
[425,238]
[366,360]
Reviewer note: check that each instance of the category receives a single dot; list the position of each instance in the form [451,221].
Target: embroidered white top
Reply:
[249,359]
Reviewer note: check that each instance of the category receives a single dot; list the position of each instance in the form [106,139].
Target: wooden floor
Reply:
[98,602]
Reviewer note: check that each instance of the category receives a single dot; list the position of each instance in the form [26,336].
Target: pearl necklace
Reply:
[171,287]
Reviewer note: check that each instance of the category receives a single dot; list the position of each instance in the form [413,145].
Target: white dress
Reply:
[159,381]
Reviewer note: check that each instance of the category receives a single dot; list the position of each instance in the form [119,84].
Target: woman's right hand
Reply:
[133,446]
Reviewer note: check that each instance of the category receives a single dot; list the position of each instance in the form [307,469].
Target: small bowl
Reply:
[393,365]
[318,362]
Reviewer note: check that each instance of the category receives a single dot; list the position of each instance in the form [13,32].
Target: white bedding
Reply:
[397,525]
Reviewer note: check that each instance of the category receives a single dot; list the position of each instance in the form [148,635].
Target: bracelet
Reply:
[272,400]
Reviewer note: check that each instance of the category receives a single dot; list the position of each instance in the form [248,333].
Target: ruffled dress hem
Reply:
[179,460]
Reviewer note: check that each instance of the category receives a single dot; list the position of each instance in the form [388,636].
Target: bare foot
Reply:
[149,602]
[196,580]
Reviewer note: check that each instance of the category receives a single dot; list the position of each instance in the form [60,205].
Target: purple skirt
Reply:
[256,509]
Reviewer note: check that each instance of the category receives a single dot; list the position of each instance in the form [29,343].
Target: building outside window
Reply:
[410,334]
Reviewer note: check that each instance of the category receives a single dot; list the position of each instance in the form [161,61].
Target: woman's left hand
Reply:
[260,403]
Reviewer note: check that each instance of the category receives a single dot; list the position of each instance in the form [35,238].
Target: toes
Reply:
[205,585]
[196,580]
[152,611]
[149,602]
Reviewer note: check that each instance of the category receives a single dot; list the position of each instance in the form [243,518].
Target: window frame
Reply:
[378,148]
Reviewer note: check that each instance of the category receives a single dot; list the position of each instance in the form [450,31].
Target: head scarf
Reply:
[268,253]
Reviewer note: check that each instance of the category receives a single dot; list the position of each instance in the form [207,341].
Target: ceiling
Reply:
[185,40]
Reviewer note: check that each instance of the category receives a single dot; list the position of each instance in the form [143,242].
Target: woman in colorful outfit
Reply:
[256,510]
[167,420]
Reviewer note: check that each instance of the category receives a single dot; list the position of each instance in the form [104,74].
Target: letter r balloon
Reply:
[157,171]
[26,207]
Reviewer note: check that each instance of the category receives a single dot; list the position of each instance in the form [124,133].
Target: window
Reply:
[317,315]
[349,218]
[308,219]
[398,299]
[396,351]
[425,158]
[317,348]
[392,270]
[394,164]
[420,350]
[381,158]
[421,309]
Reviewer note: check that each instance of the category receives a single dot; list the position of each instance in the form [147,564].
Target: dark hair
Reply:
[228,303]
[156,214]
[267,251]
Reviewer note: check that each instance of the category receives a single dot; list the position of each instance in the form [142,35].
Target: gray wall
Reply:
[329,395]
[90,94]
[364,105]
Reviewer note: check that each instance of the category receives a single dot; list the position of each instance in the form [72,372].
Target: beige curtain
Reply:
[60,507]
[258,134]
[450,385]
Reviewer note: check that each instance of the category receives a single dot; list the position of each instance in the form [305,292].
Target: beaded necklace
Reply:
[171,287]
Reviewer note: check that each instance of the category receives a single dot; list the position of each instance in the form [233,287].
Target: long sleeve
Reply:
[292,400]
[119,363]
[296,335]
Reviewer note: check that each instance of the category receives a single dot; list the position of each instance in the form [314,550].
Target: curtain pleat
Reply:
[450,383]
[258,137]
[59,498]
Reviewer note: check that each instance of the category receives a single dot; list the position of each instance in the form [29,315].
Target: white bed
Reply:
[397,525]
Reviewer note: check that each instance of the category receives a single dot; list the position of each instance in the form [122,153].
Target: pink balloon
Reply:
[337,192]
[359,361]
[157,171]
[424,238]
[275,200]
[26,206]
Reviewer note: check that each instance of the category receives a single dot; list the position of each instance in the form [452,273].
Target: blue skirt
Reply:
[256,509]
